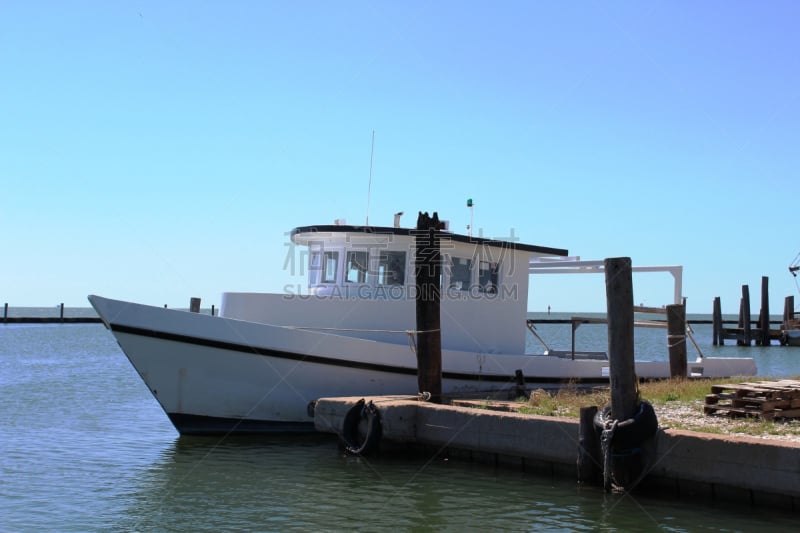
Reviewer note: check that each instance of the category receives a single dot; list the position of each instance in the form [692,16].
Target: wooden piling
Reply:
[194,305]
[61,313]
[5,313]
[212,309]
[763,317]
[676,340]
[428,271]
[745,319]
[788,312]
[622,372]
[589,460]
[619,304]
[717,333]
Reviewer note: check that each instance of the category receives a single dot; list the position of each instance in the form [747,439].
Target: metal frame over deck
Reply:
[574,265]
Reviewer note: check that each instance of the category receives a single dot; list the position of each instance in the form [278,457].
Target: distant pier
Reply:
[52,320]
[61,318]
[788,332]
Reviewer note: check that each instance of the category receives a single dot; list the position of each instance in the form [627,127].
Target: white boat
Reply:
[261,363]
[790,337]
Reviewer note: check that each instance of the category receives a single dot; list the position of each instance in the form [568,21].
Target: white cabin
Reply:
[361,283]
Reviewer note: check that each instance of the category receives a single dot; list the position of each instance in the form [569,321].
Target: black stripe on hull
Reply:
[212,425]
[331,361]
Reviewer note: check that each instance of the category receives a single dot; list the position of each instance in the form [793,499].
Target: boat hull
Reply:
[791,337]
[219,375]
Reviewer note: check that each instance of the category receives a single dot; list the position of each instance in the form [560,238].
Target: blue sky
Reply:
[155,151]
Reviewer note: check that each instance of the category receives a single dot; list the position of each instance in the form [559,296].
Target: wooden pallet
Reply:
[762,399]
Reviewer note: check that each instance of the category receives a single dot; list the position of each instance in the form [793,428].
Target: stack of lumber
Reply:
[763,399]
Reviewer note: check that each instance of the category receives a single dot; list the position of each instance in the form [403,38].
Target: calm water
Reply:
[84,447]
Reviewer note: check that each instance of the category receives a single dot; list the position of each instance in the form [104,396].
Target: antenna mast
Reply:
[369,187]
[469,228]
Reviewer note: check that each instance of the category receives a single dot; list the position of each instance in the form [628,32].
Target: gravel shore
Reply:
[679,415]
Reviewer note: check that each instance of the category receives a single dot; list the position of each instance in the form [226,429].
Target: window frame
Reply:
[382,276]
[493,285]
[327,257]
[362,272]
[452,278]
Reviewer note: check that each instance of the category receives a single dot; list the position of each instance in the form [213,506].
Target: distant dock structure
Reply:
[760,332]
[61,318]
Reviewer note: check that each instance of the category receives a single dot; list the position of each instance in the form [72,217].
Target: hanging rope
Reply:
[689,332]
[623,438]
[412,341]
[605,444]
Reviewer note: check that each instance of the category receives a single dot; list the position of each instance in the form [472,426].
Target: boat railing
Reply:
[577,321]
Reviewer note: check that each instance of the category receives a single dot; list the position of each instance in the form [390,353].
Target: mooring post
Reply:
[717,334]
[763,318]
[428,270]
[5,313]
[746,325]
[194,305]
[622,371]
[61,314]
[212,309]
[619,303]
[676,340]
[589,461]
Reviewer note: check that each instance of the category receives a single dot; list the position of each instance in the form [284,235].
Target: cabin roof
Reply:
[382,230]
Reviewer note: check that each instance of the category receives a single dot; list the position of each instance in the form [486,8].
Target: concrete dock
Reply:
[681,463]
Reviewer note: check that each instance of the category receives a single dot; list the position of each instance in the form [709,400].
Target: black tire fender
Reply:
[350,434]
[632,432]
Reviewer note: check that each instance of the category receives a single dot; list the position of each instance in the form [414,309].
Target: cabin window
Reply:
[460,273]
[391,268]
[314,268]
[487,277]
[329,267]
[356,267]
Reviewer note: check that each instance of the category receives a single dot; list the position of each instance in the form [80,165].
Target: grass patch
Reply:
[566,401]
[680,390]
[687,394]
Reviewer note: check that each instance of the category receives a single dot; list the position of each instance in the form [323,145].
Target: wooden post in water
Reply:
[5,313]
[763,318]
[676,340]
[61,314]
[622,372]
[740,324]
[194,305]
[718,337]
[212,309]
[428,270]
[744,317]
[788,312]
[589,460]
